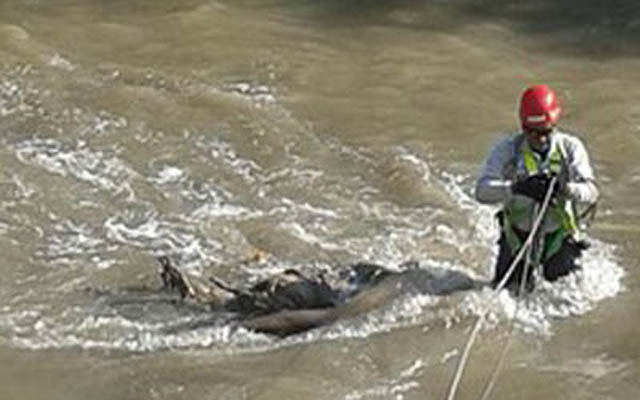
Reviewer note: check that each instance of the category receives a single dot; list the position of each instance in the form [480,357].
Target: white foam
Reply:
[15,90]
[68,239]
[98,168]
[60,62]
[223,151]
[148,230]
[575,294]
[167,175]
[259,95]
[223,210]
[377,231]
[120,333]
[394,387]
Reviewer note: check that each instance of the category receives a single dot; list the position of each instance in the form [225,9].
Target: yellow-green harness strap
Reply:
[568,225]
[530,162]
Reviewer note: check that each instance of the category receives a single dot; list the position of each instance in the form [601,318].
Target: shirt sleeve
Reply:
[582,183]
[492,187]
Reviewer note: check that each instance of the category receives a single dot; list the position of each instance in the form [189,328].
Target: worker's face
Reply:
[539,138]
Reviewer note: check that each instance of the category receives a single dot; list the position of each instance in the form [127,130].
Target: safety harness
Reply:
[519,210]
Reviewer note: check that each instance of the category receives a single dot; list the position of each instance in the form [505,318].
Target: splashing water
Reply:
[169,209]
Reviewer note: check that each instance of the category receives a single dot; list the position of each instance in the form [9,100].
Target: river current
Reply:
[319,134]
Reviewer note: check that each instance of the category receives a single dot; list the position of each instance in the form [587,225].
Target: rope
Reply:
[512,325]
[525,248]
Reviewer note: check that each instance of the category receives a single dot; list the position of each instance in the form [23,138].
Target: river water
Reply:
[320,133]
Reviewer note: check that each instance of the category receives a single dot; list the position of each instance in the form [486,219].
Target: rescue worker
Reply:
[518,174]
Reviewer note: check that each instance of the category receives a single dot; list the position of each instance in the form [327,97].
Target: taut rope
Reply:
[525,248]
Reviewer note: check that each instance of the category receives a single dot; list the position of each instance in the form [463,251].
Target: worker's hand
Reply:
[535,187]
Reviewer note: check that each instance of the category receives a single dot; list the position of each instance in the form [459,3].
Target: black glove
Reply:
[535,187]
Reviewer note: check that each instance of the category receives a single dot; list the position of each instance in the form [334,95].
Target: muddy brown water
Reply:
[322,133]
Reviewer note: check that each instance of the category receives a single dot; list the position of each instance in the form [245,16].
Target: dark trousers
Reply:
[558,265]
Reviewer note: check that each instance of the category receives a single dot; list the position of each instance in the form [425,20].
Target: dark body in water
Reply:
[290,302]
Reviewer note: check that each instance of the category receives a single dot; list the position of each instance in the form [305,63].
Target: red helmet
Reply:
[539,107]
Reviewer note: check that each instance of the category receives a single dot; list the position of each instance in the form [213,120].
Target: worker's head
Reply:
[539,113]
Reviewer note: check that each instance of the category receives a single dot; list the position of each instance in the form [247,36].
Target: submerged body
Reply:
[290,302]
